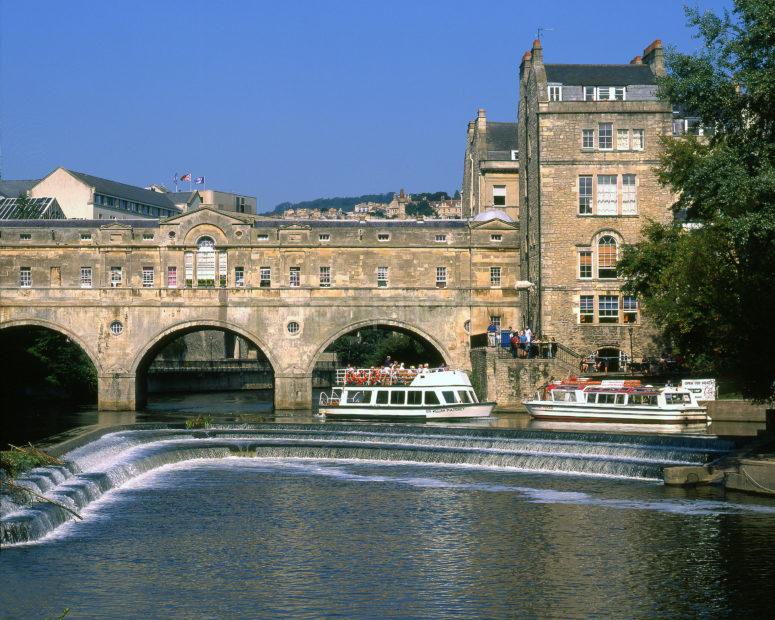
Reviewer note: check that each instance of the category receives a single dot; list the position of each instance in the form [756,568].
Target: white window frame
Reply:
[586,309]
[590,93]
[262,237]
[440,239]
[605,131]
[25,277]
[607,194]
[496,238]
[86,278]
[586,194]
[638,136]
[383,237]
[148,277]
[294,277]
[498,191]
[630,309]
[629,194]
[585,252]
[325,276]
[622,139]
[383,277]
[616,256]
[116,276]
[608,308]
[172,276]
[239,277]
[265,277]
[441,277]
[495,319]
[588,139]
[496,274]
[324,237]
[554,92]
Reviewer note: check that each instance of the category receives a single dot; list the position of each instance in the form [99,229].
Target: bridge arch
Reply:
[90,353]
[157,342]
[399,326]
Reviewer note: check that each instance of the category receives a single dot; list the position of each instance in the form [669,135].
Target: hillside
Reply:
[345,203]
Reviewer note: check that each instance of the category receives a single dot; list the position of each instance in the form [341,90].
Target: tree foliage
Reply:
[710,284]
[370,346]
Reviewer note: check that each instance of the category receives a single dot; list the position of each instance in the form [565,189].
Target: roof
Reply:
[125,191]
[600,75]
[41,209]
[12,189]
[74,223]
[493,214]
[501,136]
[284,223]
[181,197]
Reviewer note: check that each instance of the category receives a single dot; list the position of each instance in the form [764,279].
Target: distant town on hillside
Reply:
[412,205]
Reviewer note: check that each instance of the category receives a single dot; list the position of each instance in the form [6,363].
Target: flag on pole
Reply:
[185,177]
[199,181]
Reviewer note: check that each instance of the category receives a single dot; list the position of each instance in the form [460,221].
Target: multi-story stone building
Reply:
[491,168]
[451,209]
[589,139]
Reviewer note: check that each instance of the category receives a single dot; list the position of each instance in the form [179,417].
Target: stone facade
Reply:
[589,139]
[491,168]
[124,290]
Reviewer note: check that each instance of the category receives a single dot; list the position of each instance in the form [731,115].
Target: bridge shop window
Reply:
[148,277]
[222,269]
[265,277]
[205,262]
[116,276]
[172,277]
[294,277]
[495,276]
[382,277]
[239,276]
[86,277]
[441,277]
[25,277]
[325,277]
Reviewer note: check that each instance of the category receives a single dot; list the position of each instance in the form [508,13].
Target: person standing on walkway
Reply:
[492,334]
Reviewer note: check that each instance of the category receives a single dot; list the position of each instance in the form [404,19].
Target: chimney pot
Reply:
[481,113]
[537,44]
[636,61]
[526,56]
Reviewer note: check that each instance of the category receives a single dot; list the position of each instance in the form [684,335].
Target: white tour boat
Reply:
[582,400]
[424,394]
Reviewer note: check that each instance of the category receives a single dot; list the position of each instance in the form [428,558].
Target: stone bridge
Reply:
[125,289]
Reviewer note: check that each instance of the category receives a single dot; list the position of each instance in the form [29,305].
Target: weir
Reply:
[115,458]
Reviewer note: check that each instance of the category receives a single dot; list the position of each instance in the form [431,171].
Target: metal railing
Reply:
[381,376]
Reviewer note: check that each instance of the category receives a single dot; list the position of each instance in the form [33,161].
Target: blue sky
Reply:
[286,100]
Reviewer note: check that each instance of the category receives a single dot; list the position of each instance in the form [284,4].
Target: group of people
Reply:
[390,373]
[522,343]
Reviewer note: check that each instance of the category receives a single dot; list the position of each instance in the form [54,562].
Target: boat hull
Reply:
[548,410]
[443,412]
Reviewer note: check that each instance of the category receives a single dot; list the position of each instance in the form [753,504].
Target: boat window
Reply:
[382,397]
[472,394]
[635,399]
[677,399]
[431,398]
[357,396]
[449,396]
[590,397]
[414,397]
[606,398]
[463,395]
[650,399]
[619,399]
[397,397]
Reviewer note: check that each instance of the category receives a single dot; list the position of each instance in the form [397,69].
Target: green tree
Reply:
[710,284]
[420,207]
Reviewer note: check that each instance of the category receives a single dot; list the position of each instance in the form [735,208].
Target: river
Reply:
[307,520]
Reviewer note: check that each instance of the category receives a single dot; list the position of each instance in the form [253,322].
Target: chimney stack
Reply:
[654,56]
[637,61]
[537,53]
[481,119]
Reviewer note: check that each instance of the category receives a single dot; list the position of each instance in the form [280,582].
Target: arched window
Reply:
[606,257]
[205,262]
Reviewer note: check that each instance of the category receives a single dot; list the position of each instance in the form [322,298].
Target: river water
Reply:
[348,520]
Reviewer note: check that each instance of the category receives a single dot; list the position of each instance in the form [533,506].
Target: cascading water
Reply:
[115,458]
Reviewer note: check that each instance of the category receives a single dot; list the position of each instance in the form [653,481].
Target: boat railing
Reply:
[381,376]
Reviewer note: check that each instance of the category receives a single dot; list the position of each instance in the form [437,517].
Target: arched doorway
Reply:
[608,359]
[48,382]
[210,369]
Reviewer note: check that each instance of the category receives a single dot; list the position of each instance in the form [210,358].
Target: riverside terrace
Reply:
[123,290]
